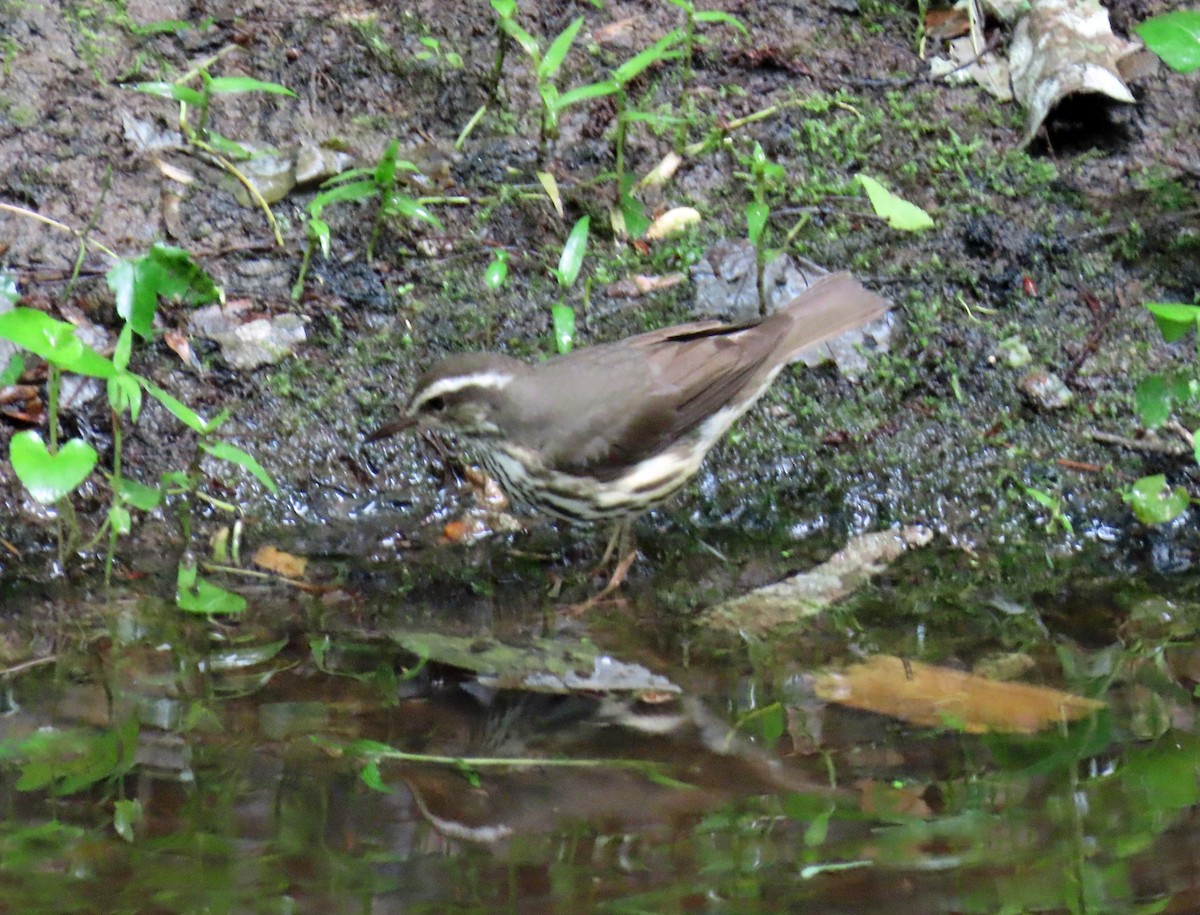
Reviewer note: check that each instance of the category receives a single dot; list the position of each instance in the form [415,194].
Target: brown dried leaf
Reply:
[930,696]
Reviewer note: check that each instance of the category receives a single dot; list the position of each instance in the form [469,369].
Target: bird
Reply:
[607,432]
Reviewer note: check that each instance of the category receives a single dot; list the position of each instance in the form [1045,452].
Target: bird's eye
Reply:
[435,404]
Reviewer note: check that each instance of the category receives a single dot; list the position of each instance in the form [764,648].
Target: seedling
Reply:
[207,142]
[1157,399]
[763,174]
[628,217]
[694,16]
[567,271]
[362,184]
[52,472]
[545,71]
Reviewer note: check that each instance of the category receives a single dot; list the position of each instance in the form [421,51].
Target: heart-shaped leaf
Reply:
[49,477]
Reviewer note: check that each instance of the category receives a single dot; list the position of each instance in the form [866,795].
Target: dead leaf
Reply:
[181,175]
[664,171]
[276,560]
[1062,48]
[946,24]
[640,285]
[179,344]
[620,33]
[673,222]
[930,696]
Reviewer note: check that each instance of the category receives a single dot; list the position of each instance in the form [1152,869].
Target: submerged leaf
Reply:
[931,696]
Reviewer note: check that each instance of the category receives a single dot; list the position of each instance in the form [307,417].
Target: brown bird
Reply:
[609,431]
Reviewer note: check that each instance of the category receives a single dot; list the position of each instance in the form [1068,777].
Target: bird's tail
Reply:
[830,307]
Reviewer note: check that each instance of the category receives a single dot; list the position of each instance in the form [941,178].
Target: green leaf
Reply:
[1152,399]
[230,85]
[372,778]
[899,213]
[49,477]
[164,271]
[54,341]
[582,93]
[12,371]
[633,211]
[571,259]
[527,42]
[1154,502]
[357,190]
[505,9]
[497,270]
[557,52]
[385,171]
[236,455]
[139,495]
[126,815]
[1175,37]
[171,91]
[563,317]
[231,149]
[319,229]
[125,394]
[636,65]
[197,595]
[179,410]
[756,220]
[1174,319]
[403,205]
[119,518]
[716,16]
[124,348]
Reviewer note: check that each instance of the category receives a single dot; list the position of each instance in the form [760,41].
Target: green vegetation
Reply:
[1175,37]
[202,138]
[53,470]
[357,185]
[1169,402]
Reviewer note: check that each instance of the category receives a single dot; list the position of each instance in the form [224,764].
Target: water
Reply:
[376,749]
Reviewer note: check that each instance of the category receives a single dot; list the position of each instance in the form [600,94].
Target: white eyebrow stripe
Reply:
[492,380]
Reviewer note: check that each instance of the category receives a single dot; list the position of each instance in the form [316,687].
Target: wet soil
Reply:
[1057,248]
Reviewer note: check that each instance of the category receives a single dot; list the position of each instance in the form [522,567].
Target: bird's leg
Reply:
[622,542]
[618,575]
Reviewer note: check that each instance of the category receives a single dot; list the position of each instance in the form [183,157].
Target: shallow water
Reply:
[378,749]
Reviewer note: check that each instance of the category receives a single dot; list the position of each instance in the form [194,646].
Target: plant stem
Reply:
[116,485]
[494,79]
[619,142]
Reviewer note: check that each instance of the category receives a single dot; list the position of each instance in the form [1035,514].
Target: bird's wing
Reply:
[655,389]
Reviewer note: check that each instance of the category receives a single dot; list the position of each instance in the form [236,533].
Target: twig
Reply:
[30,214]
[1146,445]
[27,665]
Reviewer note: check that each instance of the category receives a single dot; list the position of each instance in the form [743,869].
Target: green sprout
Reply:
[52,470]
[545,71]
[362,184]
[567,272]
[1158,399]
[207,142]
[763,175]
[694,16]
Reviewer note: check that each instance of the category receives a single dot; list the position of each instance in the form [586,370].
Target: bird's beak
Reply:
[389,429]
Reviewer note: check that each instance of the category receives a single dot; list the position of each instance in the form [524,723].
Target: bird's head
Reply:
[462,395]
